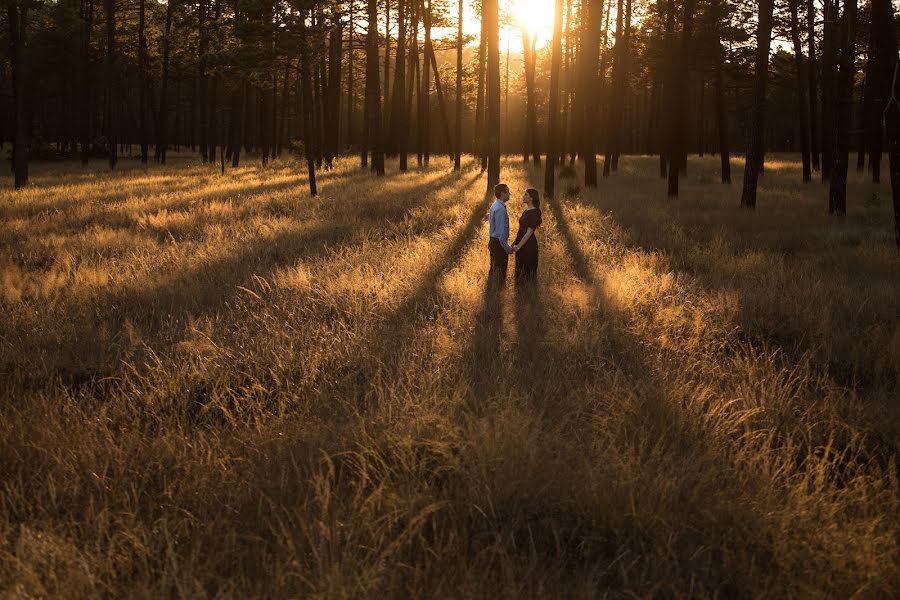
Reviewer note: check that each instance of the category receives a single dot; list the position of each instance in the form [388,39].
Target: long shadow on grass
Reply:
[195,293]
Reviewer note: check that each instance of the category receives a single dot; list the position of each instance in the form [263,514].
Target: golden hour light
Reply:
[536,16]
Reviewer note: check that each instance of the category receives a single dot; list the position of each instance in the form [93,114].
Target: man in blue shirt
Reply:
[498,245]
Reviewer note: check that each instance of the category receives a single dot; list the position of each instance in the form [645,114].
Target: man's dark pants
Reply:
[499,260]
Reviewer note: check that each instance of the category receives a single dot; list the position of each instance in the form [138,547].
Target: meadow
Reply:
[217,386]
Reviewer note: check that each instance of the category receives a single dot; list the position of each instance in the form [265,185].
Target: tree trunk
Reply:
[373,91]
[415,79]
[590,48]
[491,14]
[425,117]
[553,137]
[883,58]
[334,89]
[202,122]
[142,83]
[529,93]
[532,102]
[112,113]
[837,195]
[721,115]
[350,103]
[666,117]
[755,153]
[892,122]
[457,162]
[385,118]
[614,122]
[86,110]
[306,93]
[17,13]
[399,85]
[239,123]
[813,86]
[679,98]
[829,68]
[162,131]
[480,98]
[802,88]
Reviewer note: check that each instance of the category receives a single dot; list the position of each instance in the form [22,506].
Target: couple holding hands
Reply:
[525,246]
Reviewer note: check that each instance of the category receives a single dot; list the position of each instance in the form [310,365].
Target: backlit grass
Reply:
[219,386]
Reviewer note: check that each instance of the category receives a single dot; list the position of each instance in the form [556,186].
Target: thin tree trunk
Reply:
[457,162]
[17,13]
[306,93]
[589,58]
[373,92]
[892,121]
[112,113]
[614,121]
[350,103]
[666,131]
[480,98]
[802,88]
[399,85]
[553,137]
[162,131]
[721,115]
[829,68]
[813,86]
[142,83]
[425,117]
[335,48]
[679,98]
[837,196]
[491,11]
[883,58]
[86,110]
[385,119]
[754,157]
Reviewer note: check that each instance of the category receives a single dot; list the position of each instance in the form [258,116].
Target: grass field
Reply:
[219,386]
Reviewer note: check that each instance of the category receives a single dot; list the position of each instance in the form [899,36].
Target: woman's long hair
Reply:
[535,197]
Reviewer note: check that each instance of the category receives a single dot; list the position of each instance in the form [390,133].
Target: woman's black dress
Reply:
[527,256]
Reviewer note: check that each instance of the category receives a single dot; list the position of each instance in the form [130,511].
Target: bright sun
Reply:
[536,16]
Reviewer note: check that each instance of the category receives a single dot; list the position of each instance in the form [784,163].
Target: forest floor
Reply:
[219,386]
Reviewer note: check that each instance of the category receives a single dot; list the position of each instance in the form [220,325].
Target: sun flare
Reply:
[536,16]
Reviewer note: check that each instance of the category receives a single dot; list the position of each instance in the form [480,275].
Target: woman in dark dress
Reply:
[526,245]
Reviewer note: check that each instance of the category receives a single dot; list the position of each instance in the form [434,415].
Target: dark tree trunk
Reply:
[614,122]
[457,163]
[385,118]
[425,116]
[86,110]
[373,92]
[813,86]
[491,13]
[350,103]
[112,113]
[415,79]
[830,48]
[201,89]
[17,13]
[306,93]
[667,118]
[529,94]
[142,84]
[240,108]
[892,128]
[802,88]
[883,58]
[442,105]
[553,137]
[679,98]
[480,98]
[399,85]
[532,102]
[754,157]
[590,47]
[837,195]
[721,115]
[867,120]
[334,89]
[162,132]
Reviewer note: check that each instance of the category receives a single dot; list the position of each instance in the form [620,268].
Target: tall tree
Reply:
[306,93]
[373,91]
[87,24]
[459,102]
[387,64]
[398,98]
[590,47]
[553,134]
[721,117]
[143,83]
[112,96]
[162,132]
[17,13]
[425,104]
[813,85]
[754,156]
[830,47]
[531,137]
[802,89]
[883,59]
[491,13]
[615,111]
[679,97]
[837,194]
[480,97]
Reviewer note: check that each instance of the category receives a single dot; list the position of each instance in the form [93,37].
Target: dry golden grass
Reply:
[218,386]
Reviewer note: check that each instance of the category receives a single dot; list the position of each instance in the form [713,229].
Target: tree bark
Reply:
[142,83]
[802,88]
[373,92]
[614,121]
[480,98]
[837,194]
[553,137]
[883,59]
[306,93]
[86,110]
[679,98]
[425,117]
[457,162]
[399,86]
[754,157]
[491,12]
[162,131]
[813,86]
[17,13]
[721,115]
[333,122]
[112,113]
[590,48]
[829,68]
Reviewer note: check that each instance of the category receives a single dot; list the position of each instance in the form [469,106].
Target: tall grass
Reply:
[218,386]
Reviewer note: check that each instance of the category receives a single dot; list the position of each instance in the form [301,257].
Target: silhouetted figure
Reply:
[498,245]
[526,244]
